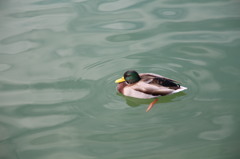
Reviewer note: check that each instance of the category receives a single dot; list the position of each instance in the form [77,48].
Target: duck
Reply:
[147,86]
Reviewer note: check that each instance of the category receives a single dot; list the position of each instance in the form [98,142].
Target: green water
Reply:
[59,61]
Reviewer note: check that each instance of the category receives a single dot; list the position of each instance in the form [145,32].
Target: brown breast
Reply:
[120,87]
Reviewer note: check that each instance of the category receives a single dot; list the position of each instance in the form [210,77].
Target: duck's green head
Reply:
[130,77]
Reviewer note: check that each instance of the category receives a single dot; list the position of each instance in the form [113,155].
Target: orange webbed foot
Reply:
[152,104]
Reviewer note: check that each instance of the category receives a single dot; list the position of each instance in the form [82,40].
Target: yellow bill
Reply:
[120,80]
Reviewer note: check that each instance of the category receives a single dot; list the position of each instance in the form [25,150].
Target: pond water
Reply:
[59,60]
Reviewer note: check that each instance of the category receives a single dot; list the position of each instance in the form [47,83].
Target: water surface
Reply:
[59,61]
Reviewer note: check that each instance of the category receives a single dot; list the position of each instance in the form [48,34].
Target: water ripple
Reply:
[50,92]
[4,67]
[117,5]
[18,47]
[124,25]
[47,96]
[37,122]
[226,129]
[214,25]
[35,13]
[170,13]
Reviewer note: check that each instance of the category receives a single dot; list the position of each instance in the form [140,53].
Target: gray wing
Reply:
[155,90]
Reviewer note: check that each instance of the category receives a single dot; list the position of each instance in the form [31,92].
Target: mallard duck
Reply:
[147,85]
